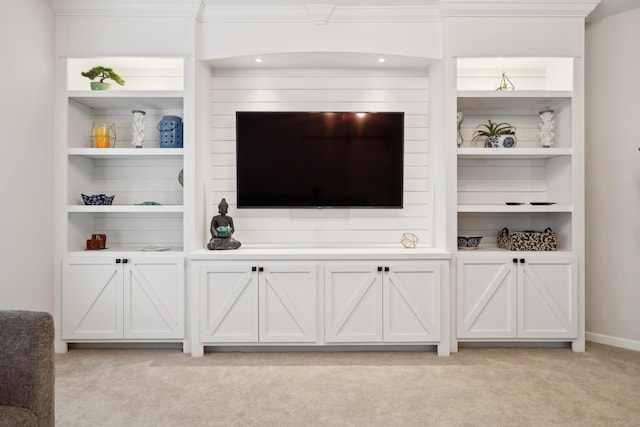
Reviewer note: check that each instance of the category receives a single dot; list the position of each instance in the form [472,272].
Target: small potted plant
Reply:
[496,135]
[102,73]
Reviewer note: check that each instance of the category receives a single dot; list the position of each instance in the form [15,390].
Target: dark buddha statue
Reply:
[221,230]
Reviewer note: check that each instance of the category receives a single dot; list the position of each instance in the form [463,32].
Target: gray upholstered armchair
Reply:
[27,371]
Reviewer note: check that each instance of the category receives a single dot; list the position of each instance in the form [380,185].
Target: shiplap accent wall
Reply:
[322,91]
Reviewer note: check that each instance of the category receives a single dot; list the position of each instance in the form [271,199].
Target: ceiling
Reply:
[612,7]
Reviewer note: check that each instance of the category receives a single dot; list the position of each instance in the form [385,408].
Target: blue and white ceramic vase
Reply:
[501,141]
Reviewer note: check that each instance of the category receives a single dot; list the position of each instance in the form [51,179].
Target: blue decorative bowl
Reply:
[224,231]
[469,242]
[98,199]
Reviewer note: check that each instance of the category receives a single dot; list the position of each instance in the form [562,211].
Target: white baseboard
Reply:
[614,341]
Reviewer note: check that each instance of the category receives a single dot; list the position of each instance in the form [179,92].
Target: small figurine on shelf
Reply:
[546,128]
[138,128]
[221,230]
[460,118]
[97,242]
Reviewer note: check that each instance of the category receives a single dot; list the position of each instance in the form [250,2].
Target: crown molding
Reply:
[517,8]
[325,13]
[317,13]
[172,8]
[320,13]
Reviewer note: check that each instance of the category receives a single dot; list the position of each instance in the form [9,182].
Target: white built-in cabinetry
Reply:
[393,301]
[127,291]
[251,302]
[514,295]
[527,296]
[123,296]
[319,297]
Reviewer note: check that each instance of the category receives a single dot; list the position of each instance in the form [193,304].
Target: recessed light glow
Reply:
[258,59]
[361,114]
[381,60]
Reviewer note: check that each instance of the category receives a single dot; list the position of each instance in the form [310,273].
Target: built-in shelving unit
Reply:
[148,205]
[517,295]
[497,186]
[133,290]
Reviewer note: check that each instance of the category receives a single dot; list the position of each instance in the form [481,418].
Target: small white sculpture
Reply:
[460,118]
[546,128]
[138,128]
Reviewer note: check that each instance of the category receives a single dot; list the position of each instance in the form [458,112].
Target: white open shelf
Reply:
[515,98]
[117,100]
[512,153]
[126,208]
[515,208]
[125,153]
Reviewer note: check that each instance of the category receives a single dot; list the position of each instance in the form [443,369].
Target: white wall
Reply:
[613,180]
[26,163]
[328,91]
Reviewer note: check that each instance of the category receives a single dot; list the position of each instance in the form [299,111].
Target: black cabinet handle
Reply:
[124,260]
[254,268]
[521,260]
[118,260]
[380,268]
[386,269]
[515,260]
[260,268]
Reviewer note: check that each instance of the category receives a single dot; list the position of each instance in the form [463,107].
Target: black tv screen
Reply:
[319,159]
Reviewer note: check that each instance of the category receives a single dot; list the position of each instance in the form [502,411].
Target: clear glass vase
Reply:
[103,134]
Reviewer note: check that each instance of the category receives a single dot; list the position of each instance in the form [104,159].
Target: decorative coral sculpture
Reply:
[546,128]
[137,137]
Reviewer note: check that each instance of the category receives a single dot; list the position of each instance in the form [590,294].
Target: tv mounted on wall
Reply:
[319,159]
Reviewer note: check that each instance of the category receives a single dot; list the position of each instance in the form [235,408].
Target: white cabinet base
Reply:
[125,298]
[302,301]
[518,298]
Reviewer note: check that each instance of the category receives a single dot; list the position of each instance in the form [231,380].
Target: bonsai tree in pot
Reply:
[102,73]
[496,134]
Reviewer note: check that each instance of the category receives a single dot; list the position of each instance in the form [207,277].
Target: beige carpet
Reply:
[475,387]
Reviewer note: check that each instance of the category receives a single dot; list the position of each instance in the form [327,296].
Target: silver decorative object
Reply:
[138,128]
[546,128]
[460,119]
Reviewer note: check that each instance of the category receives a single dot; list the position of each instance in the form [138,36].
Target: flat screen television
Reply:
[319,159]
